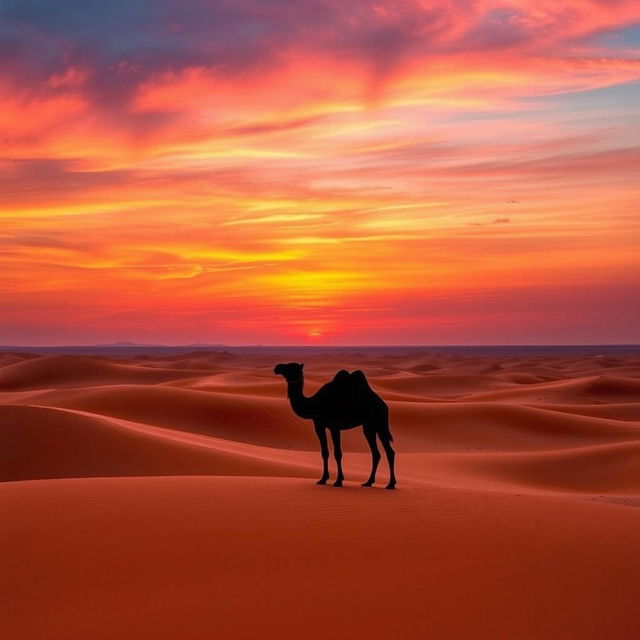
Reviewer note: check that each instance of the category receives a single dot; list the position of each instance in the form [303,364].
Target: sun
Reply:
[314,334]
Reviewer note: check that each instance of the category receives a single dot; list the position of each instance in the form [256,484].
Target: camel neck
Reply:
[299,403]
[294,387]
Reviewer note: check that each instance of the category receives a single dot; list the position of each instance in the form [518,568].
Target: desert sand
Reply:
[174,497]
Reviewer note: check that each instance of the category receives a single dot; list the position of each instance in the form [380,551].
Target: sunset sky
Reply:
[319,171]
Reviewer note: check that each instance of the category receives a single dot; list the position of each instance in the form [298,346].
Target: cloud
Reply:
[278,217]
[47,179]
[493,222]
[220,152]
[53,241]
[198,72]
[43,41]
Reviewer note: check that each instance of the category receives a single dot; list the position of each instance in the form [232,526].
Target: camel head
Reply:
[292,372]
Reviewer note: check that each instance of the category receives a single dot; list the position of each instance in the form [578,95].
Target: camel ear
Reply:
[301,365]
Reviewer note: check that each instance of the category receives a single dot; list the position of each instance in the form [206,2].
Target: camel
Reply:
[344,403]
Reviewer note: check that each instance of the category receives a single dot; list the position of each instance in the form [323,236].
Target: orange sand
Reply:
[175,498]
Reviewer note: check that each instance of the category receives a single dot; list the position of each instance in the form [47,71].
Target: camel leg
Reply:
[391,455]
[324,450]
[370,435]
[337,453]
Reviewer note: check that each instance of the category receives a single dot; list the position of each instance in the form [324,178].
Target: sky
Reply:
[319,172]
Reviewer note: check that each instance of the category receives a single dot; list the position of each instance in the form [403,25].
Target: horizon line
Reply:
[126,345]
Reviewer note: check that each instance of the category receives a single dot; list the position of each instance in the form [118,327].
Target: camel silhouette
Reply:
[344,403]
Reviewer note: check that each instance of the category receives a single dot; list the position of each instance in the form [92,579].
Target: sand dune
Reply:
[416,426]
[174,497]
[629,411]
[441,386]
[69,371]
[587,390]
[39,442]
[13,358]
[613,468]
[265,421]
[500,427]
[592,471]
[195,558]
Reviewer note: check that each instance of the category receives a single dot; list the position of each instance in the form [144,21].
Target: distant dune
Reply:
[173,496]
[73,371]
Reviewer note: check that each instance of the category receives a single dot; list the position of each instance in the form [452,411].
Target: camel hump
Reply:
[359,386]
[342,377]
[350,382]
[358,379]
